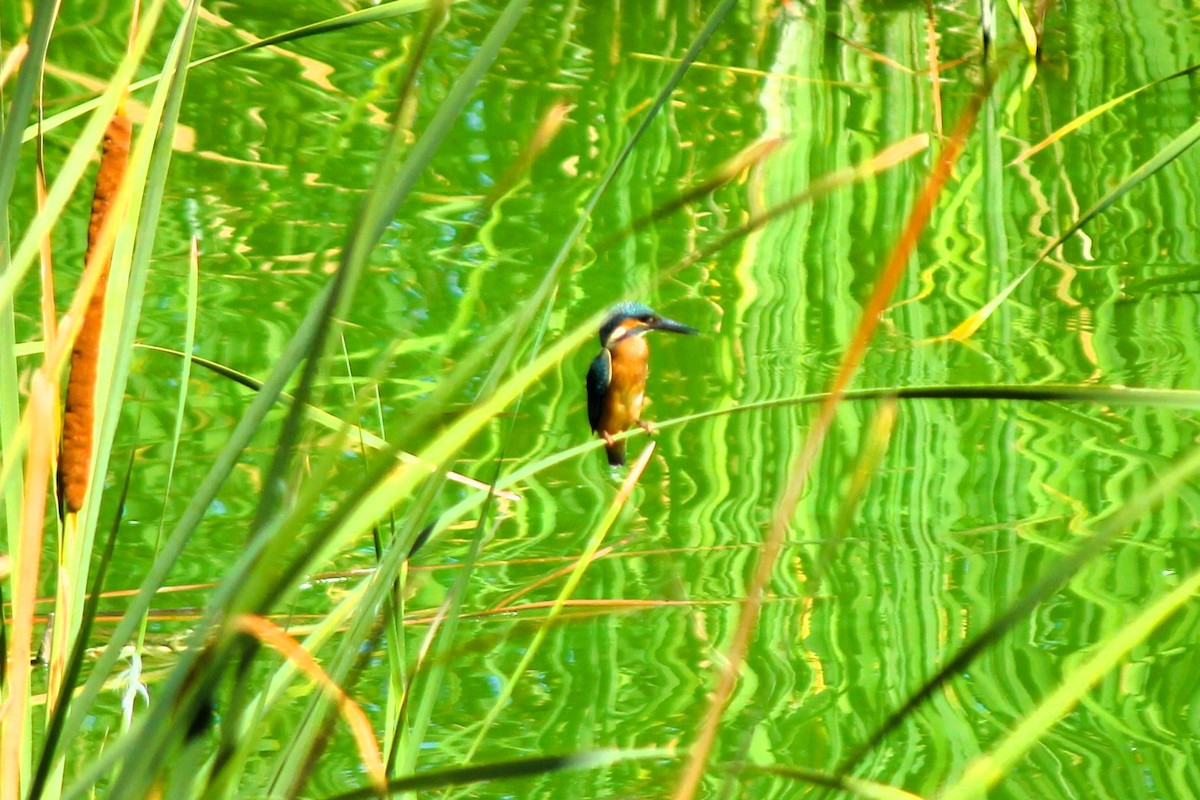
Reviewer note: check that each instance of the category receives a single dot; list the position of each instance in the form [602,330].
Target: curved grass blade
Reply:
[985,771]
[1021,607]
[1172,151]
[517,768]
[330,626]
[323,417]
[1086,117]
[856,786]
[301,659]
[1100,395]
[364,16]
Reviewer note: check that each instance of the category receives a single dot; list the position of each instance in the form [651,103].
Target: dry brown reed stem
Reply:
[26,560]
[79,418]
[302,660]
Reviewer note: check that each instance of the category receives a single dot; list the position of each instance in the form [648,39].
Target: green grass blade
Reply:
[1098,395]
[988,770]
[1049,583]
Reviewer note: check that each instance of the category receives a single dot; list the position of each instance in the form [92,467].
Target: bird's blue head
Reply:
[622,313]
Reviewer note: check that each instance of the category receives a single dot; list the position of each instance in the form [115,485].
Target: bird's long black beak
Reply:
[671,326]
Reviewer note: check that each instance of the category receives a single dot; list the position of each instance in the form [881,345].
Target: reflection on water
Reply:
[972,501]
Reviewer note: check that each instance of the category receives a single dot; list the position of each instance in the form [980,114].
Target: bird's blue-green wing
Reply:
[598,377]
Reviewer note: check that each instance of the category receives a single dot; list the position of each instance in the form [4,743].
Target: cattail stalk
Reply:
[79,419]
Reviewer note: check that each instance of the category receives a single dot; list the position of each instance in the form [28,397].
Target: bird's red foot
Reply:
[647,427]
[608,438]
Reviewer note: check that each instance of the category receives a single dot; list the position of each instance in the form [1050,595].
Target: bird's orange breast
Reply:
[627,386]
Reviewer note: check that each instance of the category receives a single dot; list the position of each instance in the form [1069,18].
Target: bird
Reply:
[616,380]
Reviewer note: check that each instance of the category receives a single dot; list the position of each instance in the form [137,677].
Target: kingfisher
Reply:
[616,381]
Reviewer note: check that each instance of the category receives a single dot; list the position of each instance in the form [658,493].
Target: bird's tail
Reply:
[616,453]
